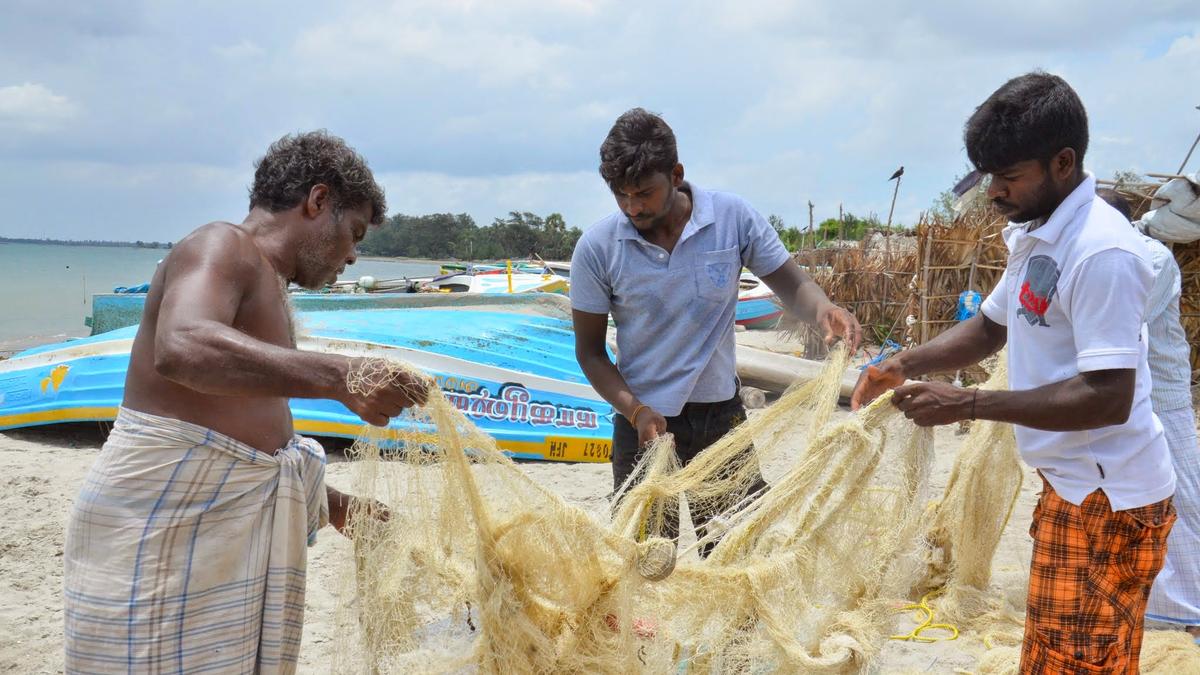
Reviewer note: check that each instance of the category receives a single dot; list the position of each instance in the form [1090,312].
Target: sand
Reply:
[42,469]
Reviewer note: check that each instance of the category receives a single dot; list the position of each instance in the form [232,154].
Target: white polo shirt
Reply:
[1073,298]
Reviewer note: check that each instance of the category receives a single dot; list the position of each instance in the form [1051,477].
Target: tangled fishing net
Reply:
[481,569]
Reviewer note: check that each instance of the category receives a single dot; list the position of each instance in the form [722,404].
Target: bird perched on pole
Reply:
[896,177]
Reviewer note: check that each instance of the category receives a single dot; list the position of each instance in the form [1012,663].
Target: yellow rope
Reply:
[927,624]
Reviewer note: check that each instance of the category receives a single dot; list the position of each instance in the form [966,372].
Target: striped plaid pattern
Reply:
[1088,582]
[186,552]
[1175,596]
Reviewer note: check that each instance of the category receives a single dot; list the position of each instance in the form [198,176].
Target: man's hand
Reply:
[874,381]
[398,391]
[837,323]
[930,404]
[343,508]
[650,425]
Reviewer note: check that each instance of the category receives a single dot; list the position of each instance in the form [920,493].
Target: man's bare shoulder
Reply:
[220,246]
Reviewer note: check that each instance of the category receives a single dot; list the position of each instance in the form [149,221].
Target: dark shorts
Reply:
[695,428]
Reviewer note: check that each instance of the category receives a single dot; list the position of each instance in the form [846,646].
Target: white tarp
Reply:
[1176,214]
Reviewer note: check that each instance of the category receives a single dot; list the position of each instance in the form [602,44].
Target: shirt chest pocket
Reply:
[717,273]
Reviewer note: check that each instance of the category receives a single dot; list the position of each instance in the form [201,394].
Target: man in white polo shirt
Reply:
[1070,307]
[666,266]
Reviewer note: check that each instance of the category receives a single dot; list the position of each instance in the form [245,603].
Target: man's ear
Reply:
[1064,165]
[318,201]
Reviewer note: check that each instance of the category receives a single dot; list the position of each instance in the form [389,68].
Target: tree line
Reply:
[86,242]
[446,235]
[850,227]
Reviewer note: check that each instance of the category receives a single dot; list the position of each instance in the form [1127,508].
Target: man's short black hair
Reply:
[1033,116]
[1116,201]
[639,145]
[295,163]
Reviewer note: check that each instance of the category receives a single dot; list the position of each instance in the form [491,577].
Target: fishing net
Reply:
[481,569]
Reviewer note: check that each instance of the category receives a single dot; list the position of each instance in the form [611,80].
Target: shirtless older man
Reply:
[186,548]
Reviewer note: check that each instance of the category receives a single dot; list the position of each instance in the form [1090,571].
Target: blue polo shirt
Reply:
[674,312]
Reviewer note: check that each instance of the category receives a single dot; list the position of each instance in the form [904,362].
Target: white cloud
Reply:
[486,107]
[33,107]
[241,51]
[409,44]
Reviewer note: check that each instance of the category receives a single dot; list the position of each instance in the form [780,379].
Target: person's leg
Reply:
[662,519]
[1089,577]
[1175,597]
[712,423]
[625,451]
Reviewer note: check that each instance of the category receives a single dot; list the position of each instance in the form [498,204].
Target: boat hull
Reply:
[513,375]
[761,312]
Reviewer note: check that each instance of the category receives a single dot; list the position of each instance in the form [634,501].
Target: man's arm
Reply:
[1104,303]
[197,346]
[802,297]
[1089,400]
[590,332]
[963,345]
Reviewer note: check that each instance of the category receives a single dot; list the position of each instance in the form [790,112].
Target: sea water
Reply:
[46,290]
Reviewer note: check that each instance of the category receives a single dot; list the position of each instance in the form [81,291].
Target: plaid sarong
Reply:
[1175,597]
[1091,573]
[186,551]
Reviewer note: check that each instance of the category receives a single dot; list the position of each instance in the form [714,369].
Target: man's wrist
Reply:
[897,366]
[638,410]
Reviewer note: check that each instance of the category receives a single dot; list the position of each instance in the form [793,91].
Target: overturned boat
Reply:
[506,361]
[757,305]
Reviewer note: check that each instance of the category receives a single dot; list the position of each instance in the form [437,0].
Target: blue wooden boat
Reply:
[757,306]
[509,366]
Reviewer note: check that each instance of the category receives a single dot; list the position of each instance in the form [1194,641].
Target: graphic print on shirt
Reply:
[1041,279]
[718,273]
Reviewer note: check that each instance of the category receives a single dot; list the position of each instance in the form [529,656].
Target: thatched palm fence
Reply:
[908,290]
[1139,196]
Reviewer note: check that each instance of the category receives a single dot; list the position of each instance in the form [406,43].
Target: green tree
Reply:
[791,237]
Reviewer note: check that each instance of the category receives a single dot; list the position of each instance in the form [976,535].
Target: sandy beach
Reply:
[42,470]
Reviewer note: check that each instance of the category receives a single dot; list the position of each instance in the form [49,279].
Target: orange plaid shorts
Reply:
[1088,583]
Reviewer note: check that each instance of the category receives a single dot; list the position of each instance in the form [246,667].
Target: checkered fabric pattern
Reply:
[1175,597]
[186,552]
[1088,582]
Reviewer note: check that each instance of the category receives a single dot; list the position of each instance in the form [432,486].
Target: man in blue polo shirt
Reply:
[666,266]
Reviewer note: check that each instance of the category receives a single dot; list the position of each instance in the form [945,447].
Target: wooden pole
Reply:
[887,234]
[812,235]
[812,243]
[928,242]
[970,286]
[841,223]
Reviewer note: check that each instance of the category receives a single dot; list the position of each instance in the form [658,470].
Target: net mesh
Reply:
[481,569]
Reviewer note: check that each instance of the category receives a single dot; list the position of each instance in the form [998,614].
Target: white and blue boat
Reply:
[508,365]
[757,305]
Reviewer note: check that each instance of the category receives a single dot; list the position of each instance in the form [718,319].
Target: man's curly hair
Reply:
[639,145]
[295,163]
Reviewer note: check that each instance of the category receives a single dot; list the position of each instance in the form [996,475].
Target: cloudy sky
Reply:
[142,120]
